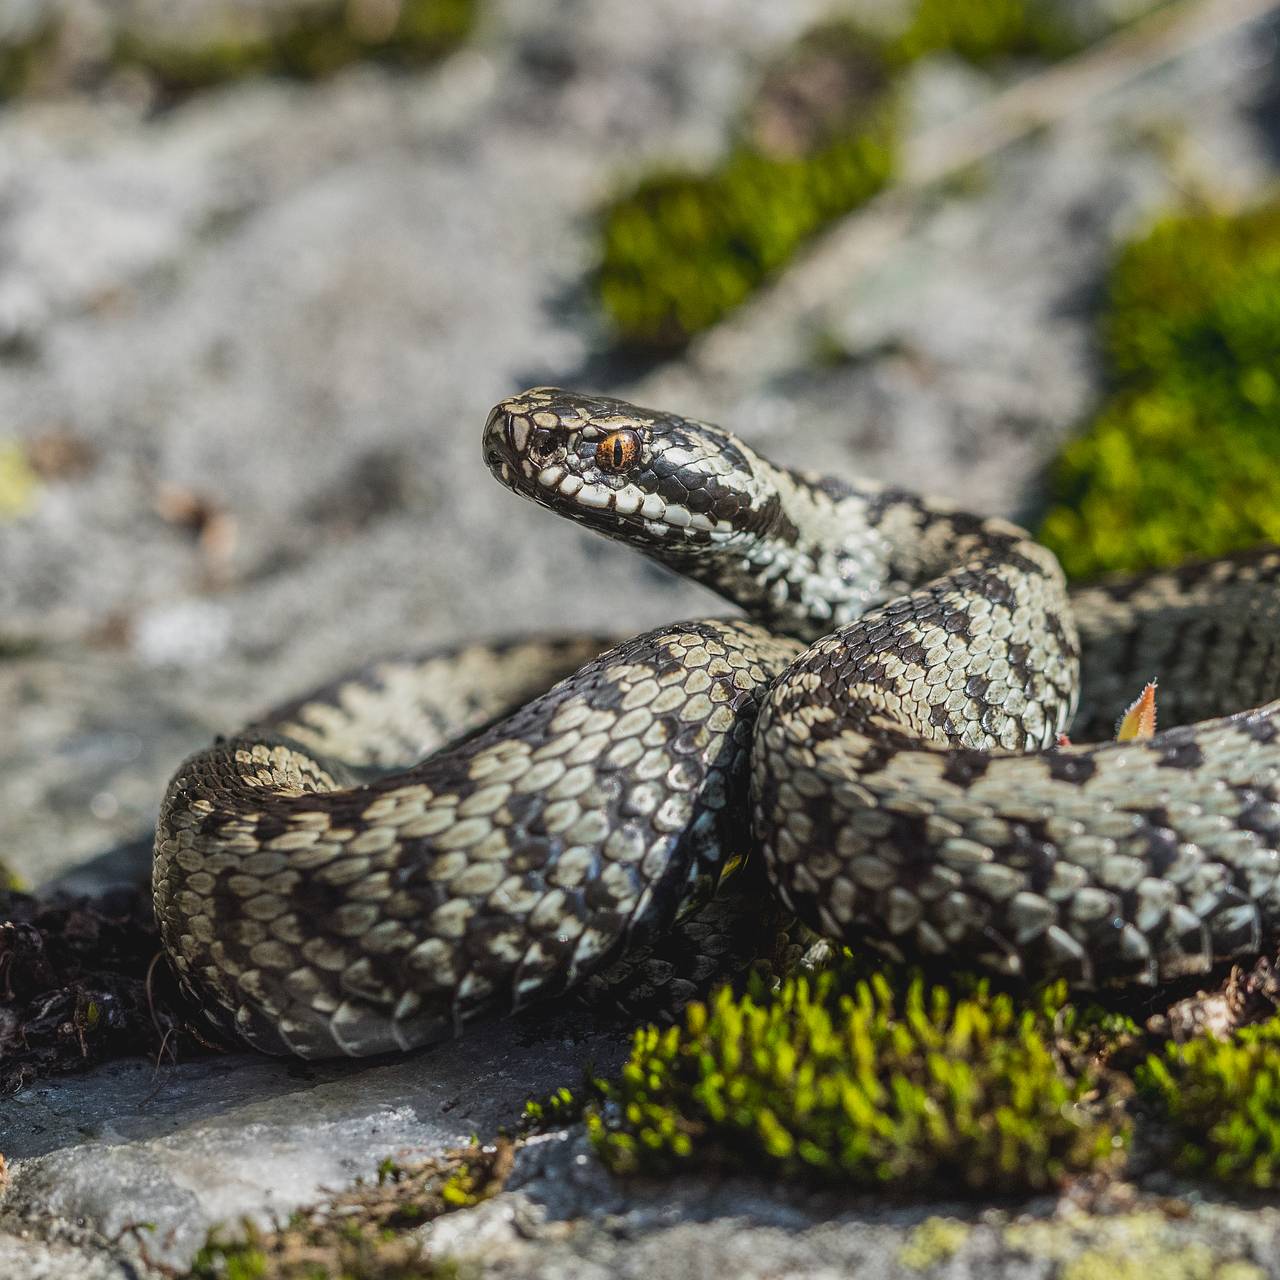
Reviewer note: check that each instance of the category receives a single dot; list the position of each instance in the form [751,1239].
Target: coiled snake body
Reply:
[341,879]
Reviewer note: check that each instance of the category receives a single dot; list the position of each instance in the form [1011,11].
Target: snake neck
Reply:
[821,552]
[801,561]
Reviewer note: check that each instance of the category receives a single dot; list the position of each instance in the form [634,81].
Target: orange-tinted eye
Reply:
[618,450]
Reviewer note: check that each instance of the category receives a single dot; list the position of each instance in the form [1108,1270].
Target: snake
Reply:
[438,839]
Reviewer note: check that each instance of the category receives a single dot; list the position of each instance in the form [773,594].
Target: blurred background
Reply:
[266,264]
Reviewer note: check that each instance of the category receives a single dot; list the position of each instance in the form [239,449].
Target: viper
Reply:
[433,840]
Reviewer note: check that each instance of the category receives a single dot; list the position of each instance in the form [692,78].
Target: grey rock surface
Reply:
[562,1217]
[276,318]
[186,1147]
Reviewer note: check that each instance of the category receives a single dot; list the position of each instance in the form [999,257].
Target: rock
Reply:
[561,1217]
[292,307]
[188,1146]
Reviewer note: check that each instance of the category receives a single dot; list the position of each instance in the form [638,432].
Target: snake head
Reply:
[672,486]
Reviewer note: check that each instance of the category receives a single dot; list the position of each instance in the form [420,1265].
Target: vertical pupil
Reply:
[617,451]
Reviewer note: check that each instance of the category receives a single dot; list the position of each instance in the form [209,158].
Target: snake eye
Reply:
[618,450]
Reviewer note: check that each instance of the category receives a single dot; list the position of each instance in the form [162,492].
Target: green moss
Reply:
[1184,457]
[849,1081]
[302,40]
[468,1184]
[231,1260]
[307,42]
[1238,1269]
[681,249]
[348,1254]
[23,57]
[984,30]
[179,67]
[559,1108]
[1224,1098]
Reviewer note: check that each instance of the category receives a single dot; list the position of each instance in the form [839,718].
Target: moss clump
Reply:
[307,42]
[851,1082]
[1224,1097]
[306,39]
[984,30]
[682,249]
[366,1233]
[351,1254]
[1184,458]
[559,1108]
[179,67]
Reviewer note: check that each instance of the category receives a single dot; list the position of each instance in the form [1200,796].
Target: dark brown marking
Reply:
[1180,751]
[1071,768]
[964,768]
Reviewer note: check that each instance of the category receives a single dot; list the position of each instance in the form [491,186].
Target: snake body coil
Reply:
[339,878]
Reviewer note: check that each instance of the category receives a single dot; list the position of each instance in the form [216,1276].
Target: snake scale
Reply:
[380,863]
